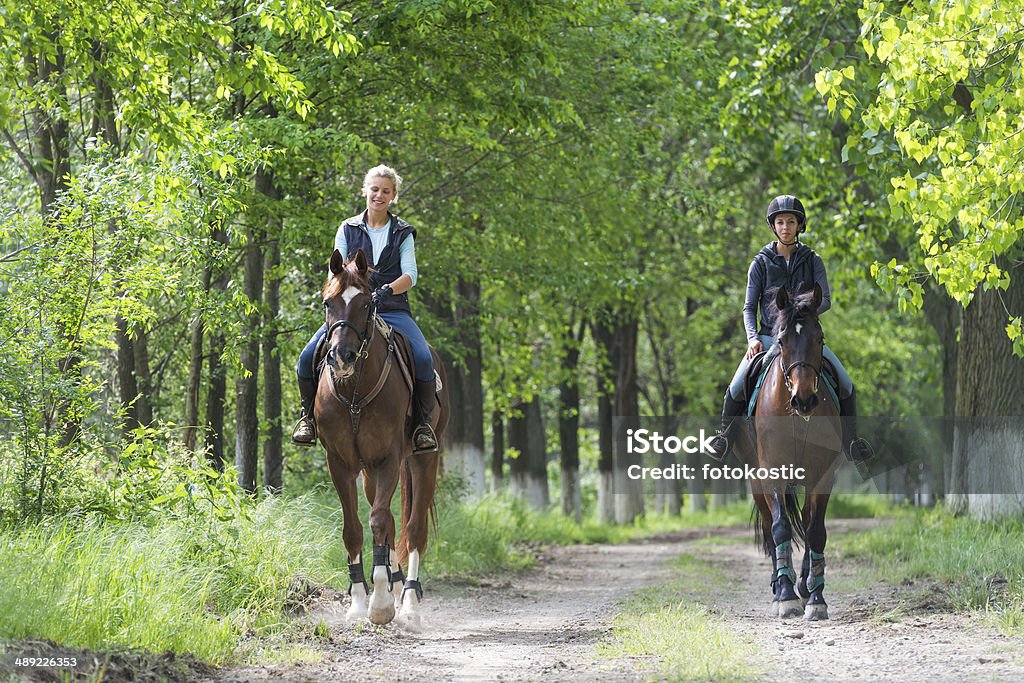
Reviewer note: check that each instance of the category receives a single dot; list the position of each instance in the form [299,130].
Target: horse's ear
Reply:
[817,296]
[337,262]
[781,298]
[361,264]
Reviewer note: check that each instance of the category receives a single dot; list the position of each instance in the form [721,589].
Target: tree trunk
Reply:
[569,424]
[518,445]
[49,165]
[51,137]
[217,391]
[464,452]
[528,471]
[143,378]
[216,395]
[128,389]
[629,504]
[497,451]
[273,454]
[247,423]
[605,418]
[619,340]
[195,367]
[944,315]
[990,386]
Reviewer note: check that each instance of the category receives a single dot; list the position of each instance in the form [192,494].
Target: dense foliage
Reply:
[174,173]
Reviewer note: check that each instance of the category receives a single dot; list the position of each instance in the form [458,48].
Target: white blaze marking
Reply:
[349,294]
[799,326]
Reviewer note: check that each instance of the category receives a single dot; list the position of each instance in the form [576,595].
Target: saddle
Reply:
[758,370]
[403,354]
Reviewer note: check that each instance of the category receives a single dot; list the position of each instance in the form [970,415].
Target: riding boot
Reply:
[720,444]
[424,400]
[304,431]
[857,449]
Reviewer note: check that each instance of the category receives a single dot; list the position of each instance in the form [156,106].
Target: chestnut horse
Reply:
[362,414]
[796,424]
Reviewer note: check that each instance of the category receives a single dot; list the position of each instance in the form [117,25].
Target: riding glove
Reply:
[380,295]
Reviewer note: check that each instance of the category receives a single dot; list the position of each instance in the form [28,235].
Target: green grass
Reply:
[178,586]
[680,640]
[220,589]
[979,564]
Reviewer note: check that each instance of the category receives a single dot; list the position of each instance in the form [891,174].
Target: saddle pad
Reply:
[827,375]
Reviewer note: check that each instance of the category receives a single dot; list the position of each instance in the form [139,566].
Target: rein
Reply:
[354,405]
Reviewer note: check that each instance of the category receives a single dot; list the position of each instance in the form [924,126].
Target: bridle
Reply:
[366,336]
[802,364]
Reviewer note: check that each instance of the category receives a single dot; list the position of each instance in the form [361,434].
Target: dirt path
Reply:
[544,625]
[875,632]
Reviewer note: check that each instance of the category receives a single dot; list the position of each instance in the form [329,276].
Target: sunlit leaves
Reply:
[944,86]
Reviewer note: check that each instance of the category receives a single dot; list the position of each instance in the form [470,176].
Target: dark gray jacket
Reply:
[769,270]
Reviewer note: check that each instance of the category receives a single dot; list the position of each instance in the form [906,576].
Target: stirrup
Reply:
[719,447]
[860,450]
[304,432]
[422,432]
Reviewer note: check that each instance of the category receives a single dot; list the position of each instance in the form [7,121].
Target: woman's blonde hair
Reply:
[384,171]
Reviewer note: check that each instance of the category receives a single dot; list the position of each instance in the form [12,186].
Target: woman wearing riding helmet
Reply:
[785,262]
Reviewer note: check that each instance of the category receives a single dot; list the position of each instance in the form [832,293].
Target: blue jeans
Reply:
[845,383]
[401,321]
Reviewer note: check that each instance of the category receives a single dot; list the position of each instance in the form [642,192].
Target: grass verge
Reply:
[220,589]
[979,564]
[681,640]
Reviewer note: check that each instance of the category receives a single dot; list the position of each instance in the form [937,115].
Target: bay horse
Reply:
[796,424]
[362,405]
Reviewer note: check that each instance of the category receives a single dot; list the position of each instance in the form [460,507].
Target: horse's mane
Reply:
[801,307]
[348,277]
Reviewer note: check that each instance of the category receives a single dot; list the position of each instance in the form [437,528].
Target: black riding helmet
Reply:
[786,203]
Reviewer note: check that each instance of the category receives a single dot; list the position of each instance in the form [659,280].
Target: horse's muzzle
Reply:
[343,363]
[804,406]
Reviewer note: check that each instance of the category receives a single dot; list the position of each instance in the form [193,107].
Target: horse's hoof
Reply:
[773,609]
[355,613]
[816,612]
[383,615]
[790,608]
[410,622]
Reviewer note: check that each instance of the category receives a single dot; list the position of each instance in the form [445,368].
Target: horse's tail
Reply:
[405,484]
[794,515]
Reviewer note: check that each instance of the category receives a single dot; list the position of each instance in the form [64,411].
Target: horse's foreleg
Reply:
[805,564]
[397,579]
[352,535]
[382,482]
[784,578]
[814,576]
[423,477]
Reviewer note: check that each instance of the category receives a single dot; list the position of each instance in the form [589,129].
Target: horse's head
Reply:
[801,341]
[347,307]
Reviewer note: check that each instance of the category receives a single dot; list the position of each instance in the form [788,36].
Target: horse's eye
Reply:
[325,303]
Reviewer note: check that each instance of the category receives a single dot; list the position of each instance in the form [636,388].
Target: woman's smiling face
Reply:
[379,193]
